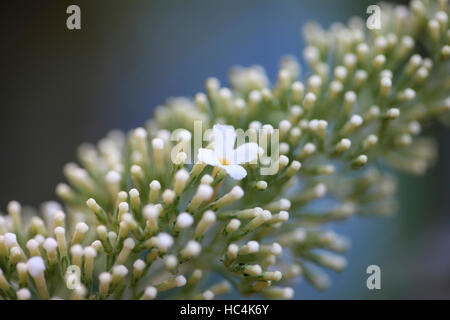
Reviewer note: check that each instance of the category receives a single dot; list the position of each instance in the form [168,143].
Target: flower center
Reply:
[224,162]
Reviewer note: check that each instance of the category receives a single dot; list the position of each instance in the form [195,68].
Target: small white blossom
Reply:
[225,156]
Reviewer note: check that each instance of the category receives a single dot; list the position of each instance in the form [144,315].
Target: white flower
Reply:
[225,156]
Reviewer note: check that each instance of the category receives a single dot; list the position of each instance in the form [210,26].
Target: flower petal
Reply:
[235,171]
[208,156]
[245,153]
[224,139]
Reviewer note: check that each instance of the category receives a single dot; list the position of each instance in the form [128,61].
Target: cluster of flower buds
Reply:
[143,221]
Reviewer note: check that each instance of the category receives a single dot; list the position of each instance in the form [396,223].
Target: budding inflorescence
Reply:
[141,222]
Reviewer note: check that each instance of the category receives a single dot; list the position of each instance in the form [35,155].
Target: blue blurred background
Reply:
[61,88]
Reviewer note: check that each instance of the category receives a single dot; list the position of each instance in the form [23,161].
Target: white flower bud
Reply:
[149,293]
[23,294]
[184,220]
[10,240]
[192,249]
[181,177]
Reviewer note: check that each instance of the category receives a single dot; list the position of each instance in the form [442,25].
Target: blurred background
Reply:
[61,88]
